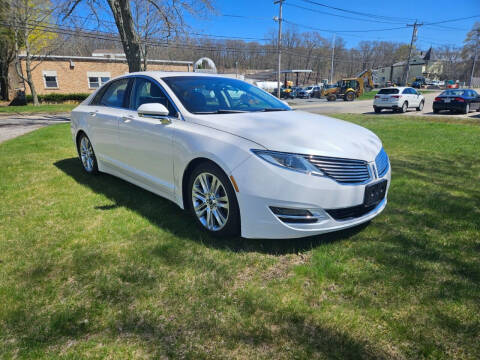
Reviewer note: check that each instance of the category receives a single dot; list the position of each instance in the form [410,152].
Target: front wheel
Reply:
[212,201]
[349,96]
[420,106]
[87,155]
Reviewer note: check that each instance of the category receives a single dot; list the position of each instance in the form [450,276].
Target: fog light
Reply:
[298,216]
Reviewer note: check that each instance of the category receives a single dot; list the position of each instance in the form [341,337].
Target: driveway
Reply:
[15,125]
[322,106]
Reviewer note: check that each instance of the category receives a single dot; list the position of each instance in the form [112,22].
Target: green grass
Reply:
[368,95]
[94,267]
[42,108]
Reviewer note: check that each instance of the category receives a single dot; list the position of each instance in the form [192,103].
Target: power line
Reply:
[341,16]
[357,12]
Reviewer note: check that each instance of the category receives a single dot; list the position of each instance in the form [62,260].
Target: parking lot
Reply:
[322,106]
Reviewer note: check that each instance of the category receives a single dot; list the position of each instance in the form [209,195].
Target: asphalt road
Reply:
[15,125]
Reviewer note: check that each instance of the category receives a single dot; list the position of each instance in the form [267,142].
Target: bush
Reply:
[58,98]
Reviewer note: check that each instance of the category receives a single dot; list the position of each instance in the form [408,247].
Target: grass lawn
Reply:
[42,108]
[93,267]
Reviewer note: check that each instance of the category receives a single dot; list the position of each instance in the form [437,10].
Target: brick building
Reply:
[84,74]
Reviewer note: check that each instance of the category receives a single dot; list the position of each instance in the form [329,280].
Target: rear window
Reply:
[453,93]
[388,91]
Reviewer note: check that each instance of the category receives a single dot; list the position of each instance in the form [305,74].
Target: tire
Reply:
[331,98]
[404,107]
[377,110]
[420,106]
[218,214]
[87,154]
[349,96]
[467,109]
[436,111]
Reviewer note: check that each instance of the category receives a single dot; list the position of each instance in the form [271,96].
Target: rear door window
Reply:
[388,91]
[114,95]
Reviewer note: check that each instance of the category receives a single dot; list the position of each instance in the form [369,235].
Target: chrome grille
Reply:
[345,171]
[382,163]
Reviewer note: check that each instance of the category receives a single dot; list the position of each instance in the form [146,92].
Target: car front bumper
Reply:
[262,186]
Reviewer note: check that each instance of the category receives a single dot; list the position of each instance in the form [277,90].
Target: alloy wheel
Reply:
[210,201]
[86,154]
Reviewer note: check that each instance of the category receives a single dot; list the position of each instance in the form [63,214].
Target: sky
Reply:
[256,19]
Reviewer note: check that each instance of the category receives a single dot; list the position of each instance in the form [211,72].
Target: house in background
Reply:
[425,64]
[83,74]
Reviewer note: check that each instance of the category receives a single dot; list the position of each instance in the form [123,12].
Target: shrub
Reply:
[58,98]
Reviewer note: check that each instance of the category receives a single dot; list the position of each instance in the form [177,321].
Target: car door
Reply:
[145,143]
[416,97]
[103,118]
[475,100]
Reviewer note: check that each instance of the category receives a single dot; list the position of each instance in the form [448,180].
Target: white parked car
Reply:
[240,160]
[398,99]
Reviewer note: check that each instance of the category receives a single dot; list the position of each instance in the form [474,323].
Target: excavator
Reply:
[350,88]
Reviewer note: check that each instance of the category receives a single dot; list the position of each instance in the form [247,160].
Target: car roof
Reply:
[396,87]
[164,74]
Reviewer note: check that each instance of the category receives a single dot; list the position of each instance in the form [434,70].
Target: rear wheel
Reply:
[377,110]
[331,98]
[404,107]
[467,109]
[436,111]
[87,155]
[212,201]
[420,106]
[349,96]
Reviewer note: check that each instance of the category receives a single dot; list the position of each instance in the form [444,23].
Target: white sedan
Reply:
[398,99]
[240,160]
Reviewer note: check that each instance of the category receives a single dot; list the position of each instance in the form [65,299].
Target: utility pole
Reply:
[474,57]
[414,37]
[333,56]
[279,44]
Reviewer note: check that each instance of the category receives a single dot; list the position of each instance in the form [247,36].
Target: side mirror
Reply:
[154,110]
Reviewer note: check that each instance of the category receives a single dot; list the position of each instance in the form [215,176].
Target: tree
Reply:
[470,48]
[149,16]
[7,50]
[30,17]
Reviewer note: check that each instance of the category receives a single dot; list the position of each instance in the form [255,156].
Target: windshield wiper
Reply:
[220,111]
[273,109]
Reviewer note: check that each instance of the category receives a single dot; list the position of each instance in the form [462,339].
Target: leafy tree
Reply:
[7,50]
[30,18]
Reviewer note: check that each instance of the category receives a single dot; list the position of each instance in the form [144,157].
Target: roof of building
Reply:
[100,59]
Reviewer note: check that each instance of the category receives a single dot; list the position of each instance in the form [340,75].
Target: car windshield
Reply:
[453,93]
[388,91]
[217,95]
[309,88]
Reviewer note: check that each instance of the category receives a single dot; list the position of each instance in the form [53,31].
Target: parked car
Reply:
[243,164]
[452,84]
[309,92]
[398,99]
[457,100]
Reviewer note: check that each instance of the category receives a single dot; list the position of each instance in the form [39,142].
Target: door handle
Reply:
[127,119]
[93,113]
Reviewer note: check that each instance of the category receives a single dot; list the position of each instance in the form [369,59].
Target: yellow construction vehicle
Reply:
[350,88]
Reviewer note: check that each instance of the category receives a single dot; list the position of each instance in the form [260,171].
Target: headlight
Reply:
[293,162]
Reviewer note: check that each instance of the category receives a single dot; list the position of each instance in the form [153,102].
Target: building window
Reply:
[96,79]
[50,79]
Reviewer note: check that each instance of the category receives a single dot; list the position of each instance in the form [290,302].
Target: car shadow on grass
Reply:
[170,217]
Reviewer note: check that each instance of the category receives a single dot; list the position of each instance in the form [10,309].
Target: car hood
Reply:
[298,132]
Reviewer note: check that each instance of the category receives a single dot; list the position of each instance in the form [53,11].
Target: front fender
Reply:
[194,141]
